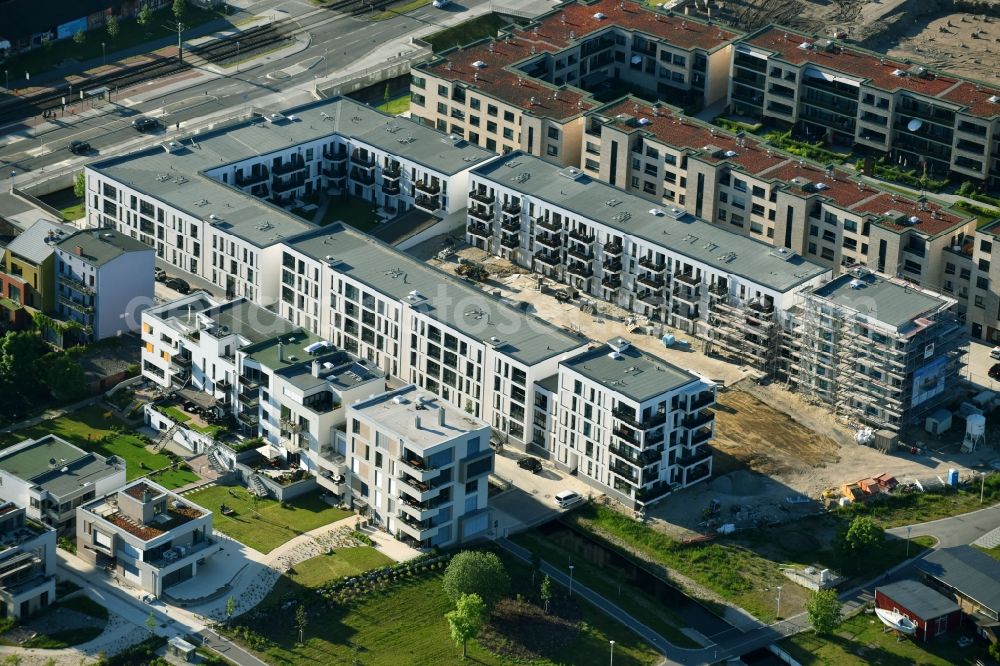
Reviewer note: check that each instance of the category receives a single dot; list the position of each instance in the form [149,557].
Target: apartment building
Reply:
[423,326]
[826,214]
[27,563]
[212,205]
[148,536]
[661,263]
[27,272]
[631,424]
[917,117]
[529,88]
[50,478]
[104,279]
[880,351]
[421,466]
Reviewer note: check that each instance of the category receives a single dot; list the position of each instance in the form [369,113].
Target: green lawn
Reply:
[467,32]
[175,478]
[178,415]
[861,640]
[276,524]
[396,106]
[914,508]
[63,639]
[344,562]
[610,582]
[352,211]
[86,428]
[131,34]
[400,8]
[405,625]
[74,212]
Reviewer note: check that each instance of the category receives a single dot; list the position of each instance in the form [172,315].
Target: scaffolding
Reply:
[747,332]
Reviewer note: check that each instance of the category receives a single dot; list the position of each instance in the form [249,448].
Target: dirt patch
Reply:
[523,632]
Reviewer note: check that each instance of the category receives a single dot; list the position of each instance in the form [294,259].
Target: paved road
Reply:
[957,530]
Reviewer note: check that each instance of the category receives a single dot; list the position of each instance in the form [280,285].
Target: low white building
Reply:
[146,534]
[421,466]
[27,563]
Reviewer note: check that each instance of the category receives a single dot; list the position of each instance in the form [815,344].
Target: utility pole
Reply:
[180,46]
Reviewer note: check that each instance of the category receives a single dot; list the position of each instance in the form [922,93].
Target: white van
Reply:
[439,4]
[567,498]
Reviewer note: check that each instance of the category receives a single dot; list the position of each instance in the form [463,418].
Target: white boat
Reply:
[896,621]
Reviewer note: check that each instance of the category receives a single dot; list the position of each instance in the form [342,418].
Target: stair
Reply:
[257,487]
[166,437]
[215,462]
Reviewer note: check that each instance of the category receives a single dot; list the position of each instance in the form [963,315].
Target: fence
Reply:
[397,65]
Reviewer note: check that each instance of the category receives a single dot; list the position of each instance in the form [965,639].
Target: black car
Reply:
[145,124]
[79,147]
[995,371]
[159,275]
[530,464]
[178,285]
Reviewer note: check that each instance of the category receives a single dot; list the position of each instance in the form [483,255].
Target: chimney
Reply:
[416,422]
[281,352]
[441,416]
[315,369]
[78,250]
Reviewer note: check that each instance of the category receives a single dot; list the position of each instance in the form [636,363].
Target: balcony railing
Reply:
[548,259]
[651,282]
[362,176]
[248,383]
[703,400]
[252,178]
[548,224]
[480,214]
[611,283]
[290,166]
[511,225]
[581,236]
[392,172]
[392,188]
[628,435]
[77,285]
[482,197]
[612,266]
[651,265]
[281,185]
[334,171]
[429,188]
[335,156]
[692,459]
[630,418]
[363,160]
[582,255]
[512,209]
[613,249]
[76,305]
[428,204]
[510,242]
[482,230]
[696,420]
[580,270]
[549,241]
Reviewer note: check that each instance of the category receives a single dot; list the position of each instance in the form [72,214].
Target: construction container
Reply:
[886,440]
[938,422]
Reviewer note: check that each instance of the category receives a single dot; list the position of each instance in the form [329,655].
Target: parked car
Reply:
[145,124]
[995,371]
[531,464]
[567,498]
[178,285]
[79,147]
[995,353]
[438,4]
[159,274]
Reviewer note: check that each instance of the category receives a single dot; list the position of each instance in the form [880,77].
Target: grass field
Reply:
[181,417]
[86,428]
[74,212]
[860,640]
[175,478]
[399,8]
[465,33]
[352,211]
[396,105]
[276,524]
[406,625]
[344,562]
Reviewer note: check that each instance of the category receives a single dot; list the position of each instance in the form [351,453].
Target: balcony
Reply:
[362,176]
[481,230]
[428,204]
[624,471]
[612,266]
[77,285]
[687,294]
[364,160]
[582,255]
[651,298]
[651,282]
[548,224]
[417,510]
[249,400]
[248,383]
[481,214]
[703,400]
[548,258]
[700,436]
[391,172]
[334,171]
[627,435]
[417,469]
[651,265]
[282,185]
[390,189]
[418,529]
[335,156]
[418,490]
[181,361]
[291,166]
[482,197]
[697,419]
[513,225]
[612,283]
[580,270]
[254,178]
[251,419]
[613,249]
[548,240]
[511,242]
[76,305]
[581,236]
[629,417]
[429,188]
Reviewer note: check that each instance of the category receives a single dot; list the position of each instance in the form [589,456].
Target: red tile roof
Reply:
[850,61]
[975,97]
[138,489]
[932,221]
[839,189]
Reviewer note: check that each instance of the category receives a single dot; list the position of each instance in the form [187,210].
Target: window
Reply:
[491,126]
[508,116]
[474,103]
[982,283]
[552,150]
[553,133]
[508,133]
[491,110]
[985,246]
[978,302]
[443,91]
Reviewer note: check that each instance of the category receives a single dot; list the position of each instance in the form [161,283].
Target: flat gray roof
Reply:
[874,296]
[971,573]
[176,179]
[680,232]
[444,297]
[919,599]
[100,246]
[55,465]
[31,243]
[398,411]
[635,374]
[236,317]
[550,383]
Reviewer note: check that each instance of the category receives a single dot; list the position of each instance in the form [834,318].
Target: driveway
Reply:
[958,530]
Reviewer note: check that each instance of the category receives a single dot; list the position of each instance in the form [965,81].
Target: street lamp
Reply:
[908,529]
[778,614]
[571,580]
[612,663]
[104,53]
[982,486]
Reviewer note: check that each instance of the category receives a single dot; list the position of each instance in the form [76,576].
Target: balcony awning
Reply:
[814,73]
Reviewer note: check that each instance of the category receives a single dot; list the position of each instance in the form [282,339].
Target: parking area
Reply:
[530,501]
[978,364]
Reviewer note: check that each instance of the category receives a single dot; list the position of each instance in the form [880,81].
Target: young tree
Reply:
[79,37]
[230,609]
[80,185]
[18,353]
[144,16]
[536,566]
[179,7]
[546,591]
[113,27]
[62,374]
[824,611]
[476,572]
[467,620]
[301,621]
[151,622]
[386,96]
[862,537]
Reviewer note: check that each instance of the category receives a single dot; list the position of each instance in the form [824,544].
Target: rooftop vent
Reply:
[898,72]
[857,284]
[275,118]
[656,212]
[644,121]
[914,219]
[730,153]
[993,99]
[783,253]
[572,173]
[805,46]
[618,345]
[479,64]
[600,16]
[399,400]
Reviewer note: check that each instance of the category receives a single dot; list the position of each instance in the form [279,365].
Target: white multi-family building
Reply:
[421,466]
[150,537]
[211,205]
[104,279]
[27,563]
[630,423]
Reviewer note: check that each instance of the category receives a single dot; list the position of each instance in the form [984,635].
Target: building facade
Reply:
[27,563]
[147,535]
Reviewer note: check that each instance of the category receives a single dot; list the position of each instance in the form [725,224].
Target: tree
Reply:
[824,611]
[863,536]
[179,7]
[18,353]
[79,37]
[80,185]
[546,591]
[151,622]
[536,566]
[144,16]
[386,96]
[230,609]
[301,621]
[476,572]
[467,620]
[113,27]
[62,374]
